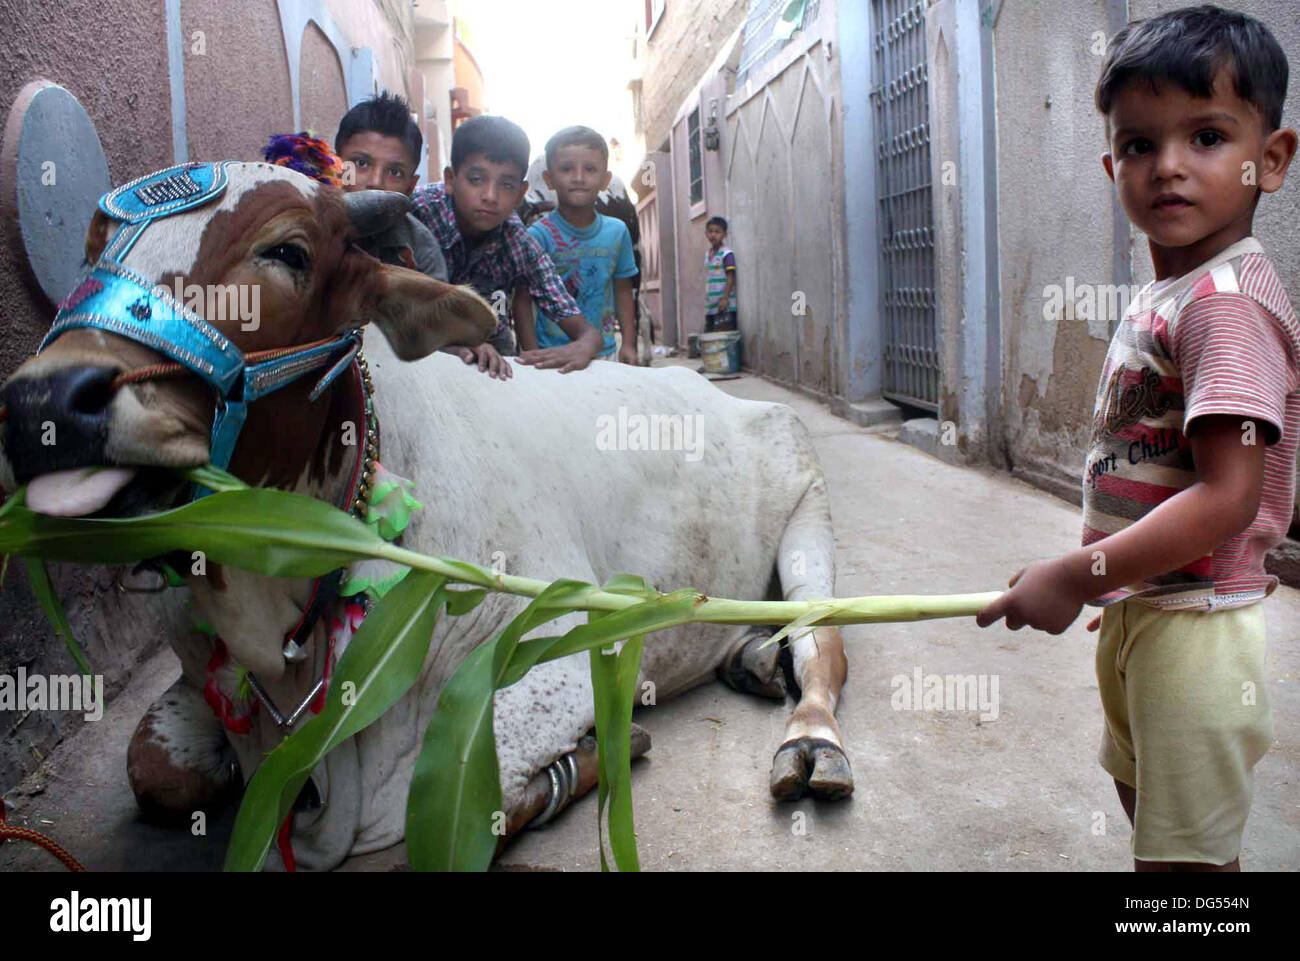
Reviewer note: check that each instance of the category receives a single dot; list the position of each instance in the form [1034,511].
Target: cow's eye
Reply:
[291,255]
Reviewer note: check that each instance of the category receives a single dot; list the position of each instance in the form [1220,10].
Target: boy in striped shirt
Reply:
[1190,476]
[719,279]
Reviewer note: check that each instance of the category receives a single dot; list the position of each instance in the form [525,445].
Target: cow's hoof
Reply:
[811,765]
[755,669]
[179,760]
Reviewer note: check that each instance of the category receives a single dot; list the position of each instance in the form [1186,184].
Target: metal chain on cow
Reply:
[325,590]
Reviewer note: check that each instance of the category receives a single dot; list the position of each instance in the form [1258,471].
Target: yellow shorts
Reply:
[1185,699]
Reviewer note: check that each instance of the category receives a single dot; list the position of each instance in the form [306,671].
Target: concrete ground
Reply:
[935,790]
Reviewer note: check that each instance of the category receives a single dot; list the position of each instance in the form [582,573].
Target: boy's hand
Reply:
[488,359]
[1042,596]
[627,354]
[570,357]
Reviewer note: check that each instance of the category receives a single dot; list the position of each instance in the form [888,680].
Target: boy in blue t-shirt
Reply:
[591,252]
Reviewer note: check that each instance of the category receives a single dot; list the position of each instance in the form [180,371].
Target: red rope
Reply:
[8,833]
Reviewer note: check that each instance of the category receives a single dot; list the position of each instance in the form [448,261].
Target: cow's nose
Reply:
[57,420]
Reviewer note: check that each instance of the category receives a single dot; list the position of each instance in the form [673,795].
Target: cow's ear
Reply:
[97,235]
[419,314]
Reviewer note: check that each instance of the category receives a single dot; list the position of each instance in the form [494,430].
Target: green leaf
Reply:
[264,531]
[213,478]
[456,787]
[460,603]
[613,683]
[381,663]
[818,613]
[630,584]
[667,610]
[38,576]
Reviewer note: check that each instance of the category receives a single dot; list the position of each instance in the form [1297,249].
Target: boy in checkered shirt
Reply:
[1190,476]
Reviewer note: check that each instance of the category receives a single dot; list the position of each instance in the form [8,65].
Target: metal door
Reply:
[903,179]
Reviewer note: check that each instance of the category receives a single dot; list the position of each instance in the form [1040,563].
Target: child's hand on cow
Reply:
[627,354]
[1043,596]
[488,359]
[570,357]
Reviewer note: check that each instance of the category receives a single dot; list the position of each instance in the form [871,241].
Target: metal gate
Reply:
[906,217]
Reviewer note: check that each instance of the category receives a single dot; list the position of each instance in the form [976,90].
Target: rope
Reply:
[8,833]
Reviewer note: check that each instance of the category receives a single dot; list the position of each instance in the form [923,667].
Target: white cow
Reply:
[534,470]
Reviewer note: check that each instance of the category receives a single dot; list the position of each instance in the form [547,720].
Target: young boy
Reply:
[592,252]
[380,145]
[1190,477]
[719,279]
[472,215]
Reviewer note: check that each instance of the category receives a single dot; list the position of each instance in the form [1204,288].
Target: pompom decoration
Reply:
[307,155]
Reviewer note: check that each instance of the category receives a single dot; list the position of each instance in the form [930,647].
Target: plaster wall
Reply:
[1056,221]
[685,41]
[234,55]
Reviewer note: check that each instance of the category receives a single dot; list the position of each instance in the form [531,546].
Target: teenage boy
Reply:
[1190,476]
[486,245]
[719,279]
[592,252]
[380,146]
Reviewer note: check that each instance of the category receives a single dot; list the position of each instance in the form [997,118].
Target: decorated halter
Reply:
[116,299]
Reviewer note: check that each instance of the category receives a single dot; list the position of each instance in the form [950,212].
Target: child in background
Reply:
[411,245]
[472,213]
[592,252]
[1191,473]
[719,279]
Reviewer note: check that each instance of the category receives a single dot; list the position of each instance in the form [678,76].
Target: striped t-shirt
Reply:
[1221,339]
[717,265]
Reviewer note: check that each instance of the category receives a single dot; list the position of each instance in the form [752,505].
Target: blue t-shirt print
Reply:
[588,259]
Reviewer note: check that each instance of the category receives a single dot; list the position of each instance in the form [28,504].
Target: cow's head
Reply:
[286,243]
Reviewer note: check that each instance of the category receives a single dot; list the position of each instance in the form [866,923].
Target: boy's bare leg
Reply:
[1128,798]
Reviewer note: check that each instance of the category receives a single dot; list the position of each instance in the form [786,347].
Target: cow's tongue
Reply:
[74,493]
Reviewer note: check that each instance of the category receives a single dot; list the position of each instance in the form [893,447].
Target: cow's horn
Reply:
[373,211]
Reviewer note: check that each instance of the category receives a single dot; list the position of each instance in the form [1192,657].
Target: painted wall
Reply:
[234,70]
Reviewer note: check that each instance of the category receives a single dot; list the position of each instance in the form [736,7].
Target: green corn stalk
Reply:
[455,796]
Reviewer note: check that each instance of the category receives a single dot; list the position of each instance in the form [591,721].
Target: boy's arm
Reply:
[625,308]
[548,290]
[523,311]
[729,262]
[1223,502]
[585,347]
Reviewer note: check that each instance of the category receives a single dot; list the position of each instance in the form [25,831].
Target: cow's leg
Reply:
[179,760]
[812,758]
[541,792]
[754,666]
